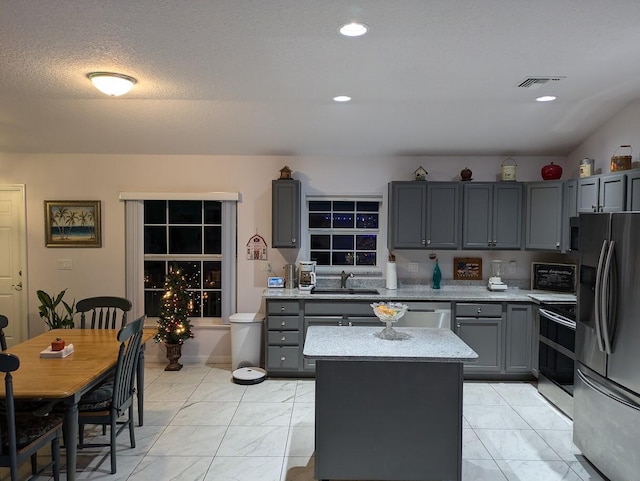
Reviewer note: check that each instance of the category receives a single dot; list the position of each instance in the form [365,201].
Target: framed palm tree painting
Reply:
[72,223]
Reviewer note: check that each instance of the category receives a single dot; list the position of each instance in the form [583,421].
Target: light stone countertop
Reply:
[424,293]
[333,343]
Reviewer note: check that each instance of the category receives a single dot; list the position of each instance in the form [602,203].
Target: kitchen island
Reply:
[387,410]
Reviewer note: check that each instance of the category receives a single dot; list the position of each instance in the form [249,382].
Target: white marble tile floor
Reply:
[199,426]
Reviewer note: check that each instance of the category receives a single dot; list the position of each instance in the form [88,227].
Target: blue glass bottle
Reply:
[437,276]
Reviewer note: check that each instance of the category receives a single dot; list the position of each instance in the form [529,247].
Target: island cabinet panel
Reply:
[544,215]
[388,420]
[285,213]
[519,331]
[283,337]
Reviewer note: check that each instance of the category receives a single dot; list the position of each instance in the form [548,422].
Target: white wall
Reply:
[102,177]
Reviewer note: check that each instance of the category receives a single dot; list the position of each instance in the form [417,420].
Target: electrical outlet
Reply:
[512,267]
[65,264]
[266,266]
[413,267]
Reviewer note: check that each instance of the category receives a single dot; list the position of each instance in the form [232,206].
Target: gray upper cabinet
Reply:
[602,193]
[424,215]
[570,210]
[492,215]
[633,191]
[544,215]
[285,213]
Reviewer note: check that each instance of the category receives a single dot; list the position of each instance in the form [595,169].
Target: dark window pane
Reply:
[367,206]
[212,212]
[190,271]
[185,240]
[320,206]
[194,309]
[343,221]
[320,241]
[155,212]
[342,206]
[321,258]
[152,302]
[366,242]
[343,242]
[185,212]
[342,259]
[367,221]
[211,304]
[213,240]
[155,240]
[154,273]
[319,221]
[366,258]
[212,272]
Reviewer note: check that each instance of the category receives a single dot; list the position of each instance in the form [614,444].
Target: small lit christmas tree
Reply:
[173,325]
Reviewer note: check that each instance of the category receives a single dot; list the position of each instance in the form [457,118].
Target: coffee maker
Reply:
[306,275]
[495,280]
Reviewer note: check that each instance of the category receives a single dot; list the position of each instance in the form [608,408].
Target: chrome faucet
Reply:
[343,279]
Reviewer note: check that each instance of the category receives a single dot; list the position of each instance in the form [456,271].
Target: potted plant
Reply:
[49,310]
[174,326]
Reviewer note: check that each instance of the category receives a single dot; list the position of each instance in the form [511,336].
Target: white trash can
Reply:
[246,339]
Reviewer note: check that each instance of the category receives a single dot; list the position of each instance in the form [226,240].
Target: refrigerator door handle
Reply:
[598,294]
[605,391]
[606,301]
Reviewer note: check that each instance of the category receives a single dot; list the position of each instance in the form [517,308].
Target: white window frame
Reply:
[134,249]
[381,242]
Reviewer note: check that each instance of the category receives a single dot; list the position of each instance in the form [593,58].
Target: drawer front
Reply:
[282,323]
[285,357]
[478,310]
[338,308]
[282,307]
[284,338]
[368,321]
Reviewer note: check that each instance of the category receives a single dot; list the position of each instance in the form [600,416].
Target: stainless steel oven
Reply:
[556,354]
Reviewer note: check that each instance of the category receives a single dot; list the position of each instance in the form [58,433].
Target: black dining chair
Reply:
[23,434]
[104,312]
[108,402]
[4,322]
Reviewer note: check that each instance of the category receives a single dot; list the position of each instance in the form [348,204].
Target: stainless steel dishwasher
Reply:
[427,314]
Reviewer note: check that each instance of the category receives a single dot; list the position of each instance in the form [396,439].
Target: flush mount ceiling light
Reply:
[113,84]
[342,98]
[546,98]
[353,29]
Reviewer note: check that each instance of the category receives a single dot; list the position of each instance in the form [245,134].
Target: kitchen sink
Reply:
[321,290]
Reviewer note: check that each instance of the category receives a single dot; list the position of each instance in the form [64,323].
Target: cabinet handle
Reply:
[281,308]
[458,325]
[557,245]
[594,208]
[350,324]
[494,243]
[283,323]
[339,323]
[429,242]
[600,208]
[479,310]
[489,243]
[424,242]
[284,338]
[293,241]
[283,358]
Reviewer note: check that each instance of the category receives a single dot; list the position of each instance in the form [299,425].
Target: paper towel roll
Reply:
[392,276]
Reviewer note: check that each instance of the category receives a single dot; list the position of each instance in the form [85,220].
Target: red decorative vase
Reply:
[57,345]
[551,172]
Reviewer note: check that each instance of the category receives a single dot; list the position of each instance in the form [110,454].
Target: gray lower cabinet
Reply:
[492,215]
[501,336]
[424,215]
[285,213]
[283,337]
[602,193]
[544,215]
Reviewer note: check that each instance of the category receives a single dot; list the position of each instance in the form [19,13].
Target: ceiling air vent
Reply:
[537,82]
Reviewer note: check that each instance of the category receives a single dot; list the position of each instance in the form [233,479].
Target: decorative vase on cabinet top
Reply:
[551,172]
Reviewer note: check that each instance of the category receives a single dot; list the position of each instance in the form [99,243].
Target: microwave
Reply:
[574,234]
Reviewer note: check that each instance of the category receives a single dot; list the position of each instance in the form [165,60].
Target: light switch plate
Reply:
[413,267]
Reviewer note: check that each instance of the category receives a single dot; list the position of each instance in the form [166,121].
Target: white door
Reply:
[13,262]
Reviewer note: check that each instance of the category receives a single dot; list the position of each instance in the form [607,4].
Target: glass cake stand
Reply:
[389,313]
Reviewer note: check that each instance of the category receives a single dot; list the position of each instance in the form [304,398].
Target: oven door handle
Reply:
[558,319]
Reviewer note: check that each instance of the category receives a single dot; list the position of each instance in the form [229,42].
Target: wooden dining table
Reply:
[67,379]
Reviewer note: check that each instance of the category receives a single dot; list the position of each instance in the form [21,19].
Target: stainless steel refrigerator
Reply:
[606,421]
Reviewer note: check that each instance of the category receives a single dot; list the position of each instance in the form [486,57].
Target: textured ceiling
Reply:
[257,77]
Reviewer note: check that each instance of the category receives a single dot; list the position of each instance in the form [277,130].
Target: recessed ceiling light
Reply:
[342,98]
[353,29]
[546,98]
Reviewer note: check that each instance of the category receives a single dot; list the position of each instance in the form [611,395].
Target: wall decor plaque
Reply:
[467,268]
